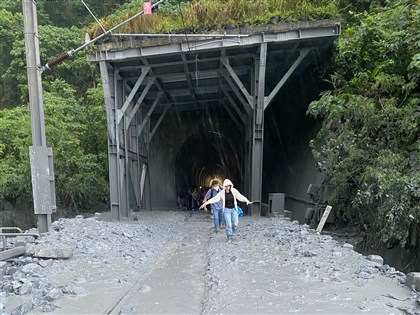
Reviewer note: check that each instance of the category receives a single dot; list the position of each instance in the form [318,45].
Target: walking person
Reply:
[195,199]
[217,207]
[229,197]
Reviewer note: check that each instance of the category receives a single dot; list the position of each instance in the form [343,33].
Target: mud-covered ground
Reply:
[173,262]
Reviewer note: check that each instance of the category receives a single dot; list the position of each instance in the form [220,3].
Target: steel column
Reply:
[107,76]
[258,132]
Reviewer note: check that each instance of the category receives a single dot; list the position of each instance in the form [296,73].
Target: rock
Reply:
[22,309]
[44,263]
[376,259]
[309,254]
[26,288]
[233,258]
[411,279]
[417,283]
[54,294]
[127,234]
[48,251]
[348,246]
[8,287]
[3,268]
[73,289]
[48,307]
[79,216]
[365,275]
[31,269]
[19,276]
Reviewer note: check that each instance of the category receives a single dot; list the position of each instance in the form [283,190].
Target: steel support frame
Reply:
[128,140]
[130,132]
[254,122]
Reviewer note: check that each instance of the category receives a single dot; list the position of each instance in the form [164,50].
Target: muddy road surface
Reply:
[174,262]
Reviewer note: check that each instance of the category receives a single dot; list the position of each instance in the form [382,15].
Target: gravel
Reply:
[272,266]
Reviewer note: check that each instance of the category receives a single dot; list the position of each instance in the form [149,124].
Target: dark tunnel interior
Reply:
[205,156]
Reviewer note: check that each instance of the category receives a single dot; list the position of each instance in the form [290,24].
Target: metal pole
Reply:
[35,93]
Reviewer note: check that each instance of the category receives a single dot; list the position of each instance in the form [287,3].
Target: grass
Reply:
[201,15]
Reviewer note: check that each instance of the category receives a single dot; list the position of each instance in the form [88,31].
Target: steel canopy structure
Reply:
[142,77]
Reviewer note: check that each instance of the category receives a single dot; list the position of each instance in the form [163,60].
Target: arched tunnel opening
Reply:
[206,156]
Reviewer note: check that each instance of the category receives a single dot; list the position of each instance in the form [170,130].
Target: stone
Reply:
[18,275]
[127,234]
[48,251]
[365,275]
[22,309]
[26,288]
[8,287]
[417,283]
[31,269]
[73,289]
[48,307]
[44,263]
[309,254]
[348,246]
[55,294]
[79,216]
[376,259]
[20,241]
[411,279]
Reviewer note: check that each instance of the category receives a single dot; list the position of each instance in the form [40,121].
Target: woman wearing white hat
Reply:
[229,195]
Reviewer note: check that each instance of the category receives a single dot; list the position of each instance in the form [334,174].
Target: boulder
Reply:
[411,279]
[376,259]
[49,251]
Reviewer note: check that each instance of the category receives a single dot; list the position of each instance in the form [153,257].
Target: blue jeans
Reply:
[217,217]
[231,217]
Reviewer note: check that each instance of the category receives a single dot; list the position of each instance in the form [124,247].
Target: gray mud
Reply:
[173,262]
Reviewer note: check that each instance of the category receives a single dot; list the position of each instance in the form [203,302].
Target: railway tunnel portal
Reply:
[182,111]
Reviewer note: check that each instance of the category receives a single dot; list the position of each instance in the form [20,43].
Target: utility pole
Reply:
[43,186]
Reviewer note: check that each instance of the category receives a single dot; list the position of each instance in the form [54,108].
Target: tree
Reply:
[369,143]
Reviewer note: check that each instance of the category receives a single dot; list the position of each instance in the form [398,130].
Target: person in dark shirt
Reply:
[229,196]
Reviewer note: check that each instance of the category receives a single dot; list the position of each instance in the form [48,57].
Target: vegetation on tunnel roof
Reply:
[196,16]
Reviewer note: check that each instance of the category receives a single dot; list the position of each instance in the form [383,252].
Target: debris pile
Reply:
[86,249]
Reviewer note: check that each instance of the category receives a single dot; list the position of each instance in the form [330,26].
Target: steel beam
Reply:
[238,94]
[238,81]
[130,116]
[149,114]
[322,31]
[302,55]
[133,92]
[188,77]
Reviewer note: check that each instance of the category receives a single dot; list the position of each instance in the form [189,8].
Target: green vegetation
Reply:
[369,144]
[73,109]
[197,15]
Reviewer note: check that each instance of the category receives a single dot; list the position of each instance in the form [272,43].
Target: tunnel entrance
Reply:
[206,156]
[154,87]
